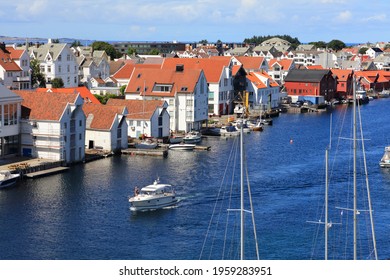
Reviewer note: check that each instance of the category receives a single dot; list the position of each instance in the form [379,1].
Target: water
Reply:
[84,213]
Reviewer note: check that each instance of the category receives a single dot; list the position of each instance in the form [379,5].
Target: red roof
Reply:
[7,63]
[251,62]
[102,116]
[143,80]
[137,109]
[212,67]
[44,105]
[84,92]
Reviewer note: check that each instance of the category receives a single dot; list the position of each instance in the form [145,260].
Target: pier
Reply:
[146,152]
[46,172]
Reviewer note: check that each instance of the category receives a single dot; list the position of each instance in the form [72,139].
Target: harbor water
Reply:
[84,213]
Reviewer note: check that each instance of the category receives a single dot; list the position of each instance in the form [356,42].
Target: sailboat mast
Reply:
[354,174]
[326,203]
[242,188]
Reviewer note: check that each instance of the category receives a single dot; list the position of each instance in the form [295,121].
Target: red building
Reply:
[316,86]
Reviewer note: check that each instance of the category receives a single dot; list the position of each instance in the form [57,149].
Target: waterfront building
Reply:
[264,92]
[145,117]
[375,81]
[184,89]
[344,79]
[10,112]
[14,68]
[304,58]
[52,126]
[218,73]
[56,61]
[316,86]
[106,127]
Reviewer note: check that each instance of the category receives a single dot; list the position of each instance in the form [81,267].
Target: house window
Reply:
[119,133]
[59,68]
[59,58]
[189,102]
[138,123]
[49,69]
[80,136]
[68,57]
[80,123]
[131,123]
[160,121]
[68,68]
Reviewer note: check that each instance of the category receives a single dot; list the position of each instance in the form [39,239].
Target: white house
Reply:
[185,90]
[218,73]
[22,59]
[145,117]
[10,72]
[264,92]
[279,68]
[56,61]
[52,126]
[106,127]
[10,112]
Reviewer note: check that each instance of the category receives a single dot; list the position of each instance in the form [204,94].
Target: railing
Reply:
[48,132]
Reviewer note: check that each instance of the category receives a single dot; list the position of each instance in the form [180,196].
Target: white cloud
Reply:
[31,8]
[380,17]
[344,16]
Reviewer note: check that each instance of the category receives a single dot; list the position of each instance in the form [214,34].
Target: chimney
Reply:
[179,67]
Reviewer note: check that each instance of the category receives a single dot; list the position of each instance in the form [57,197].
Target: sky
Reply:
[351,21]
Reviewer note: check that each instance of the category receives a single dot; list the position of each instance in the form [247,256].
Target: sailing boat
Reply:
[355,209]
[227,198]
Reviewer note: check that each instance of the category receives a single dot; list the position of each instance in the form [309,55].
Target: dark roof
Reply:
[306,75]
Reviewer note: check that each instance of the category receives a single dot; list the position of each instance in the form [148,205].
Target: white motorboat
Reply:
[229,130]
[146,144]
[182,146]
[152,197]
[385,160]
[175,139]
[192,137]
[8,179]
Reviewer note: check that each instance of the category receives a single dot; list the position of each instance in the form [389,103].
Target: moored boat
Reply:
[192,137]
[146,144]
[229,130]
[8,179]
[152,197]
[385,160]
[182,146]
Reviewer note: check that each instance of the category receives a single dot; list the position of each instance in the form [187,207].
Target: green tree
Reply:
[336,45]
[103,98]
[203,42]
[76,44]
[57,83]
[37,78]
[319,44]
[131,51]
[122,90]
[363,50]
[154,52]
[256,40]
[108,48]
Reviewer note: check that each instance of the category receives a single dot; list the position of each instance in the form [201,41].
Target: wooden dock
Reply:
[146,152]
[46,172]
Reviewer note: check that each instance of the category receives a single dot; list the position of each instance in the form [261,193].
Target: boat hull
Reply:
[9,182]
[144,203]
[186,147]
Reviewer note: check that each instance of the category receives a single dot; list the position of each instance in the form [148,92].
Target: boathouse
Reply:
[310,85]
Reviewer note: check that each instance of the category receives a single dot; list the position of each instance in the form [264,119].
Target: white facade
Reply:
[113,139]
[9,122]
[61,140]
[57,61]
[221,94]
[157,126]
[263,98]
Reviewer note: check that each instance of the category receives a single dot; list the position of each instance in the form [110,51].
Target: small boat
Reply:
[385,160]
[152,197]
[211,131]
[174,139]
[257,127]
[244,124]
[8,179]
[229,130]
[182,146]
[146,144]
[192,137]
[267,121]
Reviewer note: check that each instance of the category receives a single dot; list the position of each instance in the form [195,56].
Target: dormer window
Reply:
[184,89]
[139,75]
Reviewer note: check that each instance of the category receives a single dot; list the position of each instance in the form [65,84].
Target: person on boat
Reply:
[136,191]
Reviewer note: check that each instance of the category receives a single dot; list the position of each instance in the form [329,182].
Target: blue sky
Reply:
[193,20]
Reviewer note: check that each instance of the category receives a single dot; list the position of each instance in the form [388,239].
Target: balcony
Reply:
[48,132]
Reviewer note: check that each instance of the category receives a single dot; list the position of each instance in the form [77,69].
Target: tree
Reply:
[256,40]
[319,44]
[76,44]
[108,48]
[363,50]
[203,42]
[336,45]
[37,78]
[103,98]
[154,52]
[57,83]
[131,51]
[122,90]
